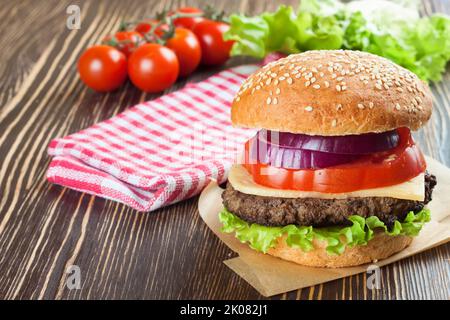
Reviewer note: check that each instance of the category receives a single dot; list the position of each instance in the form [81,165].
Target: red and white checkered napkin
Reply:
[157,152]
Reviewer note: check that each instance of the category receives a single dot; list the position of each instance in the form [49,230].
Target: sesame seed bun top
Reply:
[332,92]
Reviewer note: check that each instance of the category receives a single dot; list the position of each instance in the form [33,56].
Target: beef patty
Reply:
[272,211]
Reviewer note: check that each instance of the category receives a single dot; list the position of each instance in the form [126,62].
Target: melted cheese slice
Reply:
[242,181]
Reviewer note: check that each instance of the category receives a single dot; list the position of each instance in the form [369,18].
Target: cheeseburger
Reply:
[333,177]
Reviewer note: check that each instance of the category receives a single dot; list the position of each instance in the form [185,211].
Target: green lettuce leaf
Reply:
[319,25]
[317,33]
[250,35]
[254,35]
[392,29]
[262,238]
[283,24]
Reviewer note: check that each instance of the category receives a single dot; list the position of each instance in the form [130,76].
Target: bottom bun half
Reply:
[380,247]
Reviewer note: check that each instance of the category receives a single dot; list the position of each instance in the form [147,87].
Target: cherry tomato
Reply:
[215,50]
[126,41]
[187,48]
[145,26]
[103,68]
[187,23]
[382,169]
[153,68]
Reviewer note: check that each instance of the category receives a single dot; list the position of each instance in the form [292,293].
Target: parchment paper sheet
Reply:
[271,276]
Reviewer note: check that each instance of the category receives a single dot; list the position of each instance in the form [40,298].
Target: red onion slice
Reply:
[351,144]
[290,158]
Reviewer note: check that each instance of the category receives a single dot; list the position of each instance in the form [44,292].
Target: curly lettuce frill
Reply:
[262,238]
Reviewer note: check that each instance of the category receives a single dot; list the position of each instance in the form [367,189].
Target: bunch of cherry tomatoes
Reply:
[154,53]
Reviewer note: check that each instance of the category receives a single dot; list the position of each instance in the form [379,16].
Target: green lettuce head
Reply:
[389,29]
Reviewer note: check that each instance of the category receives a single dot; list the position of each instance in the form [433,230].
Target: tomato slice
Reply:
[381,169]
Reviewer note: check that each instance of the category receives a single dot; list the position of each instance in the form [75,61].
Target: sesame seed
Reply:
[276,82]
[309,108]
[237,98]
[370,105]
[273,75]
[338,87]
[343,88]
[269,100]
[275,101]
[316,86]
[366,82]
[297,76]
[307,83]
[313,80]
[289,80]
[333,123]
[281,78]
[360,106]
[339,78]
[327,84]
[277,91]
[399,89]
[333,76]
[397,106]
[268,81]
[258,87]
[314,69]
[339,106]
[321,74]
[386,86]
[378,86]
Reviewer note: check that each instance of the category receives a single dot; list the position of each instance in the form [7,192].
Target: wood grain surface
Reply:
[124,254]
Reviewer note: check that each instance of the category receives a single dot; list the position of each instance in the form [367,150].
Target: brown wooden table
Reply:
[167,254]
